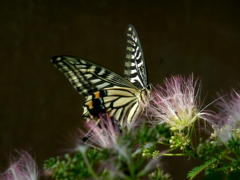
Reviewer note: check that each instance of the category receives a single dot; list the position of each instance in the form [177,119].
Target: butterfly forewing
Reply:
[135,68]
[87,77]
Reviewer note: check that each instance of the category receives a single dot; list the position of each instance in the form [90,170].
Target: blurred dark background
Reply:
[40,111]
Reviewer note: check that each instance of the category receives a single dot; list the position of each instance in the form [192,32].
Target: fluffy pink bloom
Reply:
[23,169]
[226,122]
[176,103]
[102,133]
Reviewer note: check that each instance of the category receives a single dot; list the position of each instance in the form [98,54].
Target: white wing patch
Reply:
[135,68]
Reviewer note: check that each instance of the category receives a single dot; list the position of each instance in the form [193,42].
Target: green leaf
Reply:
[195,171]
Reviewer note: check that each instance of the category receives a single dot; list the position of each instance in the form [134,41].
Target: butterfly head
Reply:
[146,93]
[149,87]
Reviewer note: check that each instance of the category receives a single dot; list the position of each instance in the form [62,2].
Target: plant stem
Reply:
[228,157]
[94,175]
[169,154]
[166,144]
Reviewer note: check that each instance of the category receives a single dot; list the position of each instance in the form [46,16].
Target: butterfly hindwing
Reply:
[135,68]
[124,104]
[121,103]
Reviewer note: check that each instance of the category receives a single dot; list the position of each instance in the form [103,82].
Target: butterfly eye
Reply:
[149,86]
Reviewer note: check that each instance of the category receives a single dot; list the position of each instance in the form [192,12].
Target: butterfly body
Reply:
[106,91]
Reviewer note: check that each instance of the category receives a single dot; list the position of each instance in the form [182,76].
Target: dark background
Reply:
[40,111]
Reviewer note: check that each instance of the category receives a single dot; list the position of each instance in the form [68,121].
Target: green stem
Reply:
[169,154]
[94,175]
[228,157]
[166,144]
[225,154]
[131,168]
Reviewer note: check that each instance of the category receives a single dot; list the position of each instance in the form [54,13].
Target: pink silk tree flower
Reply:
[176,103]
[24,168]
[226,122]
[102,133]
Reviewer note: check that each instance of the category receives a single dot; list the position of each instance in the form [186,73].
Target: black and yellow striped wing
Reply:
[135,67]
[120,102]
[87,77]
[104,90]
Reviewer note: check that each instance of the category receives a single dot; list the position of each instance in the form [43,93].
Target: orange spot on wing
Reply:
[97,95]
[90,105]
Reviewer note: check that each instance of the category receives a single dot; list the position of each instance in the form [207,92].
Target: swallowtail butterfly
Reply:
[106,91]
